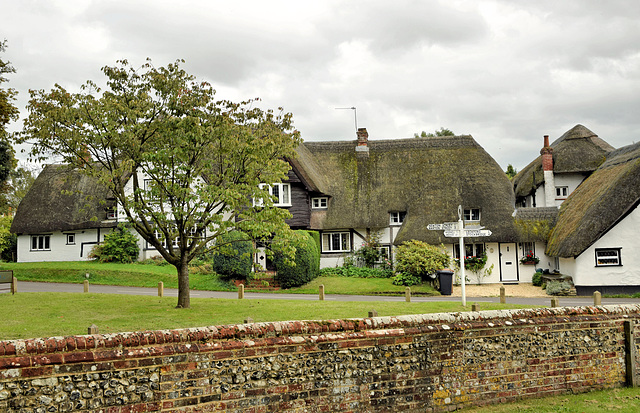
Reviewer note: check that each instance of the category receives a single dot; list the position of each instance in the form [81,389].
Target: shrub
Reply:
[558,287]
[305,266]
[120,245]
[406,279]
[356,272]
[369,252]
[233,259]
[420,259]
[537,279]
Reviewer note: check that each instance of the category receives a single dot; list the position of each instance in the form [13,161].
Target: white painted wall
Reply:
[59,249]
[624,235]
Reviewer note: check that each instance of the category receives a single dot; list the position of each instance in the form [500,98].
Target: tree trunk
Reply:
[184,299]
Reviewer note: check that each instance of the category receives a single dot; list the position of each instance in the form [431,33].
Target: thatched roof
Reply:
[62,199]
[578,150]
[598,204]
[426,177]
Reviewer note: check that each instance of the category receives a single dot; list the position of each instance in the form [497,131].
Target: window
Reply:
[472,214]
[336,242]
[470,250]
[562,192]
[71,239]
[319,203]
[608,257]
[383,252]
[112,213]
[281,193]
[397,218]
[41,243]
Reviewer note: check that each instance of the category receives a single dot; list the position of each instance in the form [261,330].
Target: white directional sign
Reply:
[468,233]
[446,226]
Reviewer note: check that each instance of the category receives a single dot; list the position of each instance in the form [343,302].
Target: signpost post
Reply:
[457,229]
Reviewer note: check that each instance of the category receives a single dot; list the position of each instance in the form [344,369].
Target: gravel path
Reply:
[493,290]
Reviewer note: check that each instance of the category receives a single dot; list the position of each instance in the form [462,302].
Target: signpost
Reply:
[457,230]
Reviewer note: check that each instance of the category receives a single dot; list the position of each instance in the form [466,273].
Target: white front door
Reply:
[508,262]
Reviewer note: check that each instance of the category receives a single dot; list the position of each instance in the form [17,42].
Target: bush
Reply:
[406,279]
[356,272]
[420,259]
[233,259]
[305,266]
[537,279]
[558,287]
[120,245]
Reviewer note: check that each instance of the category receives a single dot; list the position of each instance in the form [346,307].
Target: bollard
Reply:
[597,298]
[160,289]
[240,291]
[93,329]
[86,286]
[407,294]
[248,320]
[14,285]
[555,302]
[475,307]
[321,294]
[373,313]
[503,297]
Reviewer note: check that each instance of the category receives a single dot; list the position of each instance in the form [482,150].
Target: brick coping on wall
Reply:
[282,332]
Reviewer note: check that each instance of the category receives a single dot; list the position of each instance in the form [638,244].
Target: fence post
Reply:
[555,302]
[160,289]
[86,286]
[474,307]
[407,294]
[93,329]
[373,313]
[240,291]
[14,285]
[597,298]
[503,297]
[630,353]
[321,293]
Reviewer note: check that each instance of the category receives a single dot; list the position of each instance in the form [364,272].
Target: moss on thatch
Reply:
[62,199]
[428,178]
[577,150]
[598,204]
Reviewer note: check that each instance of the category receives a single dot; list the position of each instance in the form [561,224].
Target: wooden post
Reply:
[597,298]
[93,329]
[407,294]
[373,313]
[160,289]
[248,320]
[503,297]
[321,293]
[240,291]
[555,302]
[14,285]
[86,286]
[630,353]
[474,307]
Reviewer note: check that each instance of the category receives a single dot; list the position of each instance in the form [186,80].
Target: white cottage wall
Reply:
[59,248]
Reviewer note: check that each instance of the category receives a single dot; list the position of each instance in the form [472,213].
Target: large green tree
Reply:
[8,112]
[184,168]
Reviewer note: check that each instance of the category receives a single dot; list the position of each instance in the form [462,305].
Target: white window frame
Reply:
[562,192]
[336,242]
[319,202]
[476,249]
[384,252]
[608,257]
[71,238]
[41,242]
[112,213]
[397,217]
[472,214]
[281,191]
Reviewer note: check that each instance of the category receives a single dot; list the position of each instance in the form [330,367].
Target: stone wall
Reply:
[434,362]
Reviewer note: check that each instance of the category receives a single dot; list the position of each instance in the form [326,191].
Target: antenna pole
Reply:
[355,115]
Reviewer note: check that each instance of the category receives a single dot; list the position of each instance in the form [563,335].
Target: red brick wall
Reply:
[412,363]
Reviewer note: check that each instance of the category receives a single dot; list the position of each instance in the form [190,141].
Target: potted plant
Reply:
[529,259]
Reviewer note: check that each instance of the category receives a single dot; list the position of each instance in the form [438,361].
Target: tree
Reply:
[183,167]
[441,132]
[511,171]
[8,112]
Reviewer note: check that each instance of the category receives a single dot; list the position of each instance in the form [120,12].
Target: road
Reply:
[25,286]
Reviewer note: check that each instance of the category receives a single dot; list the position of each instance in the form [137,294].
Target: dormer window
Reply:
[562,192]
[319,202]
[112,213]
[397,217]
[472,214]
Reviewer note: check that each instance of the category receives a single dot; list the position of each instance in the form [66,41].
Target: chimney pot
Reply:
[363,136]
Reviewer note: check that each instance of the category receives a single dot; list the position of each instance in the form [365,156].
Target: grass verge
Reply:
[625,400]
[28,315]
[359,286]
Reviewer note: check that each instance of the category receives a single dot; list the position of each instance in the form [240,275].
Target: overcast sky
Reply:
[505,72]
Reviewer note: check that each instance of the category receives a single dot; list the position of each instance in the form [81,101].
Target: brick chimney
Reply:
[363,141]
[547,169]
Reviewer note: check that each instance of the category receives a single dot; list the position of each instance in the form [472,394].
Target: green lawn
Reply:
[58,314]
